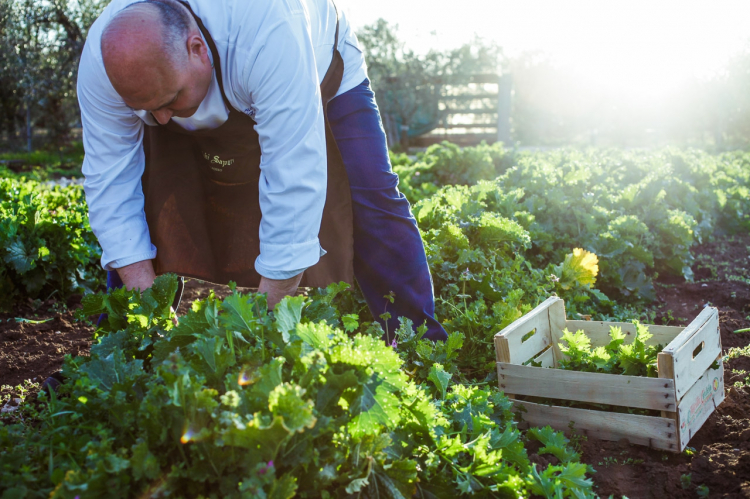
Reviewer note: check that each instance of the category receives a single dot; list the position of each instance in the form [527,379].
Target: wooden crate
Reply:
[686,392]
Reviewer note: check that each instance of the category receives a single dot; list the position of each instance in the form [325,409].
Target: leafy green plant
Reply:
[237,401]
[617,357]
[480,448]
[421,355]
[554,443]
[685,480]
[46,244]
[639,211]
[448,164]
[482,280]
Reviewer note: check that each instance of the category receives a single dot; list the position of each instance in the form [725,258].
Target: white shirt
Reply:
[274,54]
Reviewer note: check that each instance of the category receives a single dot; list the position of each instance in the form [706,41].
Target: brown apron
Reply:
[201,196]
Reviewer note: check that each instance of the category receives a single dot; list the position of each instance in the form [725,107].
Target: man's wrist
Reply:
[138,275]
[277,289]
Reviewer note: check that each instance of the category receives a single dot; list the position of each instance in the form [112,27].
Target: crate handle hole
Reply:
[698,349]
[528,335]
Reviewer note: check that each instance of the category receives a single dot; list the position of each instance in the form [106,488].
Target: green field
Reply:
[236,401]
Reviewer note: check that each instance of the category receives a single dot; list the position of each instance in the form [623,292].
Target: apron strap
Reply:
[214,52]
[336,39]
[335,73]
[217,59]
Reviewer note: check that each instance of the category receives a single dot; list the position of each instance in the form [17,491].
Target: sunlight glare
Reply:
[643,48]
[248,376]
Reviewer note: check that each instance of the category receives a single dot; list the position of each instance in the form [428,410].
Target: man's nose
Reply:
[162,116]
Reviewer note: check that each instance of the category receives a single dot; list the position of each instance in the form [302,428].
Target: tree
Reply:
[404,82]
[728,112]
[45,41]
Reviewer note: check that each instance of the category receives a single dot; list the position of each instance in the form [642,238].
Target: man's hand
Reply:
[138,275]
[277,290]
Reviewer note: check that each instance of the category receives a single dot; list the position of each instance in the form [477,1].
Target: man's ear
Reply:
[196,46]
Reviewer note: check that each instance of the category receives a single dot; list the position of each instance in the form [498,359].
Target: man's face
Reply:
[172,89]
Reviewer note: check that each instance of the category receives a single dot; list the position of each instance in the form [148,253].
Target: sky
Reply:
[650,47]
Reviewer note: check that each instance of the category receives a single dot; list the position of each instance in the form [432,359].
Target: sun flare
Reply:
[646,49]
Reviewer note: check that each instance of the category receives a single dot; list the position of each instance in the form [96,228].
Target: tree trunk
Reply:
[404,138]
[391,135]
[29,130]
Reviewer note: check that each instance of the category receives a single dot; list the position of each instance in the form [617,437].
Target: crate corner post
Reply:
[557,323]
[665,367]
[689,361]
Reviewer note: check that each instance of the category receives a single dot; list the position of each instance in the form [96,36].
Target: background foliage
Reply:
[45,38]
[639,211]
[42,43]
[46,245]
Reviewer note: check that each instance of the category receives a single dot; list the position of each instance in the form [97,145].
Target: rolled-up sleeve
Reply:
[284,88]
[112,166]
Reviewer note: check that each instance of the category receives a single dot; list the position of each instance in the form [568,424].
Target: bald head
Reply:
[151,50]
[144,38]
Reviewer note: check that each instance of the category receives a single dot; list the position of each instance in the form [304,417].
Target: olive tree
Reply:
[43,40]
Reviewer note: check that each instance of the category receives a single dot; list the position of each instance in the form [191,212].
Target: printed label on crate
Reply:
[702,403]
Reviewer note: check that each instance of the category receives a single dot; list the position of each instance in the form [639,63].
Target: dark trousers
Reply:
[389,255]
[388,250]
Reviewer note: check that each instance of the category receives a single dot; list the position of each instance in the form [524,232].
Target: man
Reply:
[241,140]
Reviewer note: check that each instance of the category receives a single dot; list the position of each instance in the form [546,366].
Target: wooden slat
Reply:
[546,358]
[655,432]
[599,332]
[690,330]
[699,403]
[687,369]
[502,349]
[557,323]
[614,389]
[509,344]
[665,367]
[522,350]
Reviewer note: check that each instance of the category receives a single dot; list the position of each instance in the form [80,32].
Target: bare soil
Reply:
[720,452]
[34,351]
[719,455]
[30,353]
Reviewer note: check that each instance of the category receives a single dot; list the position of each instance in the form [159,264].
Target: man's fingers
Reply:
[175,320]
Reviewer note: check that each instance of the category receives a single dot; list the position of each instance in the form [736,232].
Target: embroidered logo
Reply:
[216,163]
[249,112]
